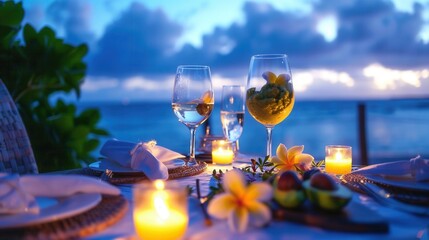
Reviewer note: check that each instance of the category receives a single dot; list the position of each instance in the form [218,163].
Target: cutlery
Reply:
[106,176]
[385,198]
[203,200]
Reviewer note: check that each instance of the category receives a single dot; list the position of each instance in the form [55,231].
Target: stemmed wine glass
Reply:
[232,112]
[270,96]
[193,99]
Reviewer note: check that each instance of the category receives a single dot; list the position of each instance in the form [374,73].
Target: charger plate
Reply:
[121,177]
[103,215]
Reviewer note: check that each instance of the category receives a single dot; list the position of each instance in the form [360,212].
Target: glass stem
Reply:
[269,140]
[192,147]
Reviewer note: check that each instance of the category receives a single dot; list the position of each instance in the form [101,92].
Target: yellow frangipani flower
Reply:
[292,158]
[240,204]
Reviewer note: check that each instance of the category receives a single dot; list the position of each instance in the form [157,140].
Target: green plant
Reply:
[35,70]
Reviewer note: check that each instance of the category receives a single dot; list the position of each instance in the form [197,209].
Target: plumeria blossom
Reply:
[292,158]
[240,204]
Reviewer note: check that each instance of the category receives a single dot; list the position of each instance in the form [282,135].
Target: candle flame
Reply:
[338,156]
[159,184]
[159,202]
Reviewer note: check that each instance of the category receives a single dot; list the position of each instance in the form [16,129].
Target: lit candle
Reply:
[222,152]
[338,159]
[160,211]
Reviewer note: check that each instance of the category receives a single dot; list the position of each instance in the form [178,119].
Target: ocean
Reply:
[396,129]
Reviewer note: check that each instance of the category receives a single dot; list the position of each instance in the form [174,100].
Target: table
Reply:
[402,225]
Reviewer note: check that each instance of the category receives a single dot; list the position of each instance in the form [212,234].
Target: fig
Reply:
[323,181]
[288,190]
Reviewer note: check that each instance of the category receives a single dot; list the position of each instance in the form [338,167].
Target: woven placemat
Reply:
[402,194]
[134,177]
[103,215]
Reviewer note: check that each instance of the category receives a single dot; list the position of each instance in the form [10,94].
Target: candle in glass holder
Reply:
[222,152]
[338,159]
[160,210]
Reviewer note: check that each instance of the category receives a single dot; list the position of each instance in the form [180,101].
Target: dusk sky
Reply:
[355,49]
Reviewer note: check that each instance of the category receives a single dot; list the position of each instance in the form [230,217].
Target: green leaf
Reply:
[11,14]
[91,145]
[100,132]
[79,132]
[89,117]
[29,33]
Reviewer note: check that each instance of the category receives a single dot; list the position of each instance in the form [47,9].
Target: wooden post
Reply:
[362,134]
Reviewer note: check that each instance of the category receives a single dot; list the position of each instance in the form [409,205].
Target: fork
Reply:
[384,198]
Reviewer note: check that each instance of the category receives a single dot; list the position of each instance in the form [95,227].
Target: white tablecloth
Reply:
[401,225]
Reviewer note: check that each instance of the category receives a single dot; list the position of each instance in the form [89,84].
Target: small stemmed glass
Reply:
[232,112]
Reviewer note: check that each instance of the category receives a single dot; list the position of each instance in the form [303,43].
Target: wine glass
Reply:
[193,100]
[232,112]
[270,96]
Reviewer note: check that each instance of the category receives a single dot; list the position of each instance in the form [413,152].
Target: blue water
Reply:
[395,128]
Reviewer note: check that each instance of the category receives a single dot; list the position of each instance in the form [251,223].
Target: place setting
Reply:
[406,180]
[57,206]
[134,162]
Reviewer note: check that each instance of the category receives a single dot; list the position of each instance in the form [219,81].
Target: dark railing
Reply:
[363,144]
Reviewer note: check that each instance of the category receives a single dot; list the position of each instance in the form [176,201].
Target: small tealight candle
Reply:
[160,210]
[338,159]
[222,152]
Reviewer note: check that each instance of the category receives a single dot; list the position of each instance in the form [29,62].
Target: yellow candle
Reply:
[150,225]
[160,211]
[338,159]
[222,152]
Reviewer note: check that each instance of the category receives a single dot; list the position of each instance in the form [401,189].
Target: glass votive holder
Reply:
[160,210]
[338,159]
[222,152]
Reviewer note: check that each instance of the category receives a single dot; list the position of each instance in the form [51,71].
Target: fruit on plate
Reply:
[288,190]
[324,193]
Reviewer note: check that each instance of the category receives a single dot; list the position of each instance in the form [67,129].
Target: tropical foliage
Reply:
[36,68]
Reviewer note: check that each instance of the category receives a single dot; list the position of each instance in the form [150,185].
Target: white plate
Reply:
[116,167]
[52,209]
[395,174]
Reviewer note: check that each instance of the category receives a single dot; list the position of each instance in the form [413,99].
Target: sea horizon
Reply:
[396,128]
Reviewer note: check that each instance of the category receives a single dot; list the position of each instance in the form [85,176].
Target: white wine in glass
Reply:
[193,100]
[270,96]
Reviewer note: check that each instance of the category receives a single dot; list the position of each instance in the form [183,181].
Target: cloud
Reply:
[140,41]
[73,17]
[368,31]
[388,79]
[138,48]
[96,84]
